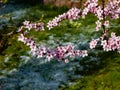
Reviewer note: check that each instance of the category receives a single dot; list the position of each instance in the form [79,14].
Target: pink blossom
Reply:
[66,61]
[25,23]
[98,25]
[84,53]
[72,14]
[22,38]
[59,53]
[113,43]
[106,23]
[93,43]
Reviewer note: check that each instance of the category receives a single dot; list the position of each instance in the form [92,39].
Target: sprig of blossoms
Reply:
[92,6]
[55,21]
[59,53]
[110,44]
[29,42]
[72,14]
[99,24]
[27,25]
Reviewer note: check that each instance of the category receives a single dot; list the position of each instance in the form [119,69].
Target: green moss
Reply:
[107,78]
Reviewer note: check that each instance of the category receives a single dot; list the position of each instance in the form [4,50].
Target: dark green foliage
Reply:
[106,78]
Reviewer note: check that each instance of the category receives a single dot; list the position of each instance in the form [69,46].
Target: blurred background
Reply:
[21,71]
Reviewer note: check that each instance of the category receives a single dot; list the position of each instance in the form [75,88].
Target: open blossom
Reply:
[22,38]
[20,29]
[98,27]
[84,53]
[106,23]
[93,43]
[113,35]
[104,44]
[25,23]
[66,61]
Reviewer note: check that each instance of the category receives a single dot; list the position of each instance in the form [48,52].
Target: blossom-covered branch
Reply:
[72,14]
[108,10]
[27,25]
[59,53]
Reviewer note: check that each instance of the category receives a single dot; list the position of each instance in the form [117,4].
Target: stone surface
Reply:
[60,3]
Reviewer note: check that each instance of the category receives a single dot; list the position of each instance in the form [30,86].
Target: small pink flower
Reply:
[98,25]
[93,43]
[106,23]
[66,61]
[26,23]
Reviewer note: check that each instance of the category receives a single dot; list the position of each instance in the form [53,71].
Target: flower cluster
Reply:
[99,24]
[60,53]
[92,7]
[113,43]
[69,50]
[93,43]
[27,25]
[112,9]
[72,14]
